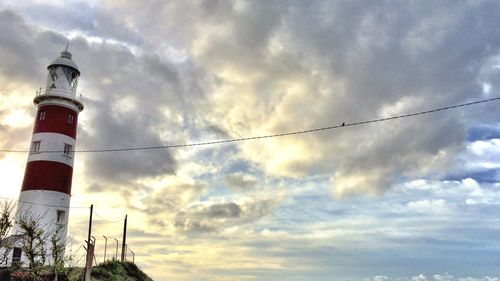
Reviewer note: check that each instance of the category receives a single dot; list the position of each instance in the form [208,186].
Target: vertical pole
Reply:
[105,246]
[90,249]
[124,238]
[116,253]
[133,254]
[89,261]
[93,244]
[90,225]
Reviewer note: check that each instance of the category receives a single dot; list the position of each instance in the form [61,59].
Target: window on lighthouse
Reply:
[71,119]
[16,255]
[60,216]
[68,149]
[41,115]
[35,147]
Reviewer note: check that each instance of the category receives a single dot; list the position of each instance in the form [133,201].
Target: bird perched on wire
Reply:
[343,124]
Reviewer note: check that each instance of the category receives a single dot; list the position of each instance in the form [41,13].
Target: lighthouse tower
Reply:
[46,189]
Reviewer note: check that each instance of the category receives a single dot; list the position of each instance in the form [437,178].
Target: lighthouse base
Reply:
[50,210]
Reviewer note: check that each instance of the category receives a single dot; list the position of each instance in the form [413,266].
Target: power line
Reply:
[45,205]
[106,220]
[266,136]
[57,206]
[49,205]
[71,207]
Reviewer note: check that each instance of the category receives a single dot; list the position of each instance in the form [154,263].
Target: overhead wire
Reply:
[39,204]
[107,220]
[49,205]
[341,125]
[244,139]
[114,220]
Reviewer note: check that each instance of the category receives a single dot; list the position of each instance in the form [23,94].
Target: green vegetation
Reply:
[108,271]
[45,274]
[118,271]
[45,260]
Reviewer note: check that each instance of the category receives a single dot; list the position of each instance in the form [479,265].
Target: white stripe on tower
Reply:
[52,142]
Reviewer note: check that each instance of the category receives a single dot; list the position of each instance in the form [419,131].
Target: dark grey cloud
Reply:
[239,182]
[213,217]
[126,131]
[169,199]
[227,210]
[91,20]
[25,51]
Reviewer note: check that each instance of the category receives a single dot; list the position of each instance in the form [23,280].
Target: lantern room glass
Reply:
[62,77]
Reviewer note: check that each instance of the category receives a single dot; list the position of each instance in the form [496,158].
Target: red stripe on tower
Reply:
[56,119]
[48,175]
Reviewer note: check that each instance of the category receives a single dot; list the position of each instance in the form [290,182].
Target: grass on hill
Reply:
[118,271]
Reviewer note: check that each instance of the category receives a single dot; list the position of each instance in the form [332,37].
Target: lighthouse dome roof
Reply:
[65,59]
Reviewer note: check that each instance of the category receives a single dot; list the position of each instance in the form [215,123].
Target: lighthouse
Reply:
[46,188]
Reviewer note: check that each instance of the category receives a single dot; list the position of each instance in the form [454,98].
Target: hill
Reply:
[118,271]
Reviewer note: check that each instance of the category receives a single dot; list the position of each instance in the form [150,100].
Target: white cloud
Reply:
[428,206]
[435,277]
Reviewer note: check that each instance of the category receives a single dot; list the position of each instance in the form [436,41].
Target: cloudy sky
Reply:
[409,199]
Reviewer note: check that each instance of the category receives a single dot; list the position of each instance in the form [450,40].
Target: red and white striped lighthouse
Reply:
[46,189]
